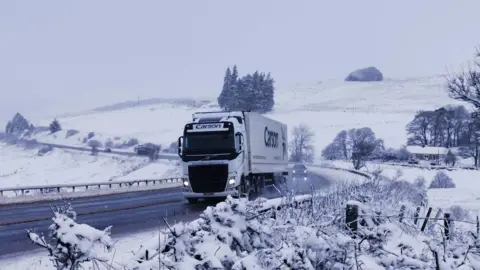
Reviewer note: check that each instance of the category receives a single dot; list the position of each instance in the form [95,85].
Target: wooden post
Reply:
[435,220]
[447,222]
[351,217]
[402,212]
[416,215]
[426,219]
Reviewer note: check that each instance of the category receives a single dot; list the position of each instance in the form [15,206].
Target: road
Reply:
[127,213]
[167,156]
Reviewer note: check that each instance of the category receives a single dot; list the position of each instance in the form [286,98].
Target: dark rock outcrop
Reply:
[369,74]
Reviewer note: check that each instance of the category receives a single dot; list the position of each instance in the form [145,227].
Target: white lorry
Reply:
[232,153]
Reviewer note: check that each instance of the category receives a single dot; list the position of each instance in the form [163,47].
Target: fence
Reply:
[86,186]
[353,218]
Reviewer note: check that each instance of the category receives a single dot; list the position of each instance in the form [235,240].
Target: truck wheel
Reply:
[245,188]
[192,200]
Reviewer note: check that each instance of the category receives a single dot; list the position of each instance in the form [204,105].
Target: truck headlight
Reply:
[185,183]
[231,180]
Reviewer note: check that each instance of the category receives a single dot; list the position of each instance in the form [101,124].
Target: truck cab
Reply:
[216,160]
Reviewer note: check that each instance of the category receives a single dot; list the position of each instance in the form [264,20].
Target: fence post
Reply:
[435,219]
[416,215]
[426,219]
[351,217]
[146,254]
[447,222]
[402,212]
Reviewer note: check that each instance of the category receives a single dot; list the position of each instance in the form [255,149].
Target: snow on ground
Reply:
[24,167]
[327,107]
[466,194]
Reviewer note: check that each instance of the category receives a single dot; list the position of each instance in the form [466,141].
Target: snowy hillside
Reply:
[327,107]
[23,167]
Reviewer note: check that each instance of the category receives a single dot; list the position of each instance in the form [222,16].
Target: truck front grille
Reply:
[208,178]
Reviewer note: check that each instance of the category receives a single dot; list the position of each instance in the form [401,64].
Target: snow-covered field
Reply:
[327,107]
[24,167]
[466,193]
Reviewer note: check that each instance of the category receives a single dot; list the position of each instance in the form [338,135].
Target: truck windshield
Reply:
[199,143]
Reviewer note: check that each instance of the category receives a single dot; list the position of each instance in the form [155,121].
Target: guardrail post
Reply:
[1,194]
[23,192]
[86,187]
[73,188]
[99,186]
[109,185]
[58,189]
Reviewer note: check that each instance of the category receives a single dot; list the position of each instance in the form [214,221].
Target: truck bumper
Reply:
[191,195]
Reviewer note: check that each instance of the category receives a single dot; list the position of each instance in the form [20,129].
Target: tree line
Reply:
[253,92]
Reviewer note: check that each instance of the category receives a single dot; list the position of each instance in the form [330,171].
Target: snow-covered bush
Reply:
[459,213]
[90,135]
[94,144]
[109,144]
[70,133]
[71,244]
[44,149]
[420,182]
[442,180]
[237,235]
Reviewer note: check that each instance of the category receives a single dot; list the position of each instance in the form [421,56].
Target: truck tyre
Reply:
[245,187]
[192,200]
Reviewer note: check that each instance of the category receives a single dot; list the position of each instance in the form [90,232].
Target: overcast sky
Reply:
[58,56]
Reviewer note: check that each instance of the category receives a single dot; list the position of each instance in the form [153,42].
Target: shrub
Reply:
[459,213]
[44,149]
[109,144]
[420,182]
[70,133]
[131,142]
[72,244]
[442,180]
[94,143]
[90,135]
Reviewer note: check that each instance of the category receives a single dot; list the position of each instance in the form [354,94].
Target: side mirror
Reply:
[180,145]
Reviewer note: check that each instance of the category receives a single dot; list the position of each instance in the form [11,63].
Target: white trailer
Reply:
[232,153]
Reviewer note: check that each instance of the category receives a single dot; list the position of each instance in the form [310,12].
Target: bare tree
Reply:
[450,158]
[465,86]
[302,149]
[364,145]
[419,128]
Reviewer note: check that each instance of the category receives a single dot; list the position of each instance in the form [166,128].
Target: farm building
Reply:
[430,153]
